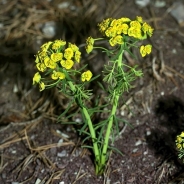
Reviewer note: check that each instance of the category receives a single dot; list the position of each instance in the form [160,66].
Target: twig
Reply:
[78,177]
[6,144]
[13,124]
[45,147]
[155,73]
[174,71]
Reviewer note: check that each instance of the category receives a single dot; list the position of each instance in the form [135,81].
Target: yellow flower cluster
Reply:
[116,29]
[145,50]
[55,57]
[37,79]
[89,44]
[86,76]
[180,141]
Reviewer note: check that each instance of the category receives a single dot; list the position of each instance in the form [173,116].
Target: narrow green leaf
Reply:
[115,149]
[83,128]
[86,146]
[116,125]
[66,110]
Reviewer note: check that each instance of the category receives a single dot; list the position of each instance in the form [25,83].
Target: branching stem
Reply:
[104,158]
[90,126]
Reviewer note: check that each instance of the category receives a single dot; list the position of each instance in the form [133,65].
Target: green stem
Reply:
[110,123]
[72,87]
[93,135]
[90,125]
[108,132]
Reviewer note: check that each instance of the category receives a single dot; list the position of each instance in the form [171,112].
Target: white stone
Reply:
[38,181]
[49,29]
[62,154]
[138,143]
[135,150]
[162,93]
[142,3]
[148,133]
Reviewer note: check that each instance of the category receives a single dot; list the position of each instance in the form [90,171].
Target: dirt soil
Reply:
[34,149]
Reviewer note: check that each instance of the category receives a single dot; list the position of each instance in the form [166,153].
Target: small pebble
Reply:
[63,5]
[160,4]
[148,133]
[15,88]
[62,154]
[68,129]
[60,141]
[122,113]
[78,120]
[135,150]
[14,151]
[162,93]
[138,143]
[49,29]
[62,182]
[38,181]
[62,134]
[174,51]
[142,3]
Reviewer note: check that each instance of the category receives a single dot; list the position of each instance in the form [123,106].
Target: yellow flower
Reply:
[110,32]
[112,42]
[114,23]
[135,32]
[135,24]
[150,31]
[41,86]
[45,46]
[89,48]
[125,19]
[77,56]
[142,51]
[73,47]
[41,67]
[86,76]
[116,40]
[42,54]
[90,41]
[57,44]
[37,59]
[182,134]
[67,63]
[178,145]
[139,19]
[89,44]
[36,78]
[68,53]
[49,63]
[104,24]
[119,39]
[123,28]
[56,56]
[57,75]
[145,50]
[118,22]
[102,28]
[179,139]
[147,29]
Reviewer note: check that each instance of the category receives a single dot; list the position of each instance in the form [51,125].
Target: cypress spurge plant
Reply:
[56,63]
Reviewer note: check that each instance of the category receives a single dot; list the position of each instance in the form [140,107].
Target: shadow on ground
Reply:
[169,112]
